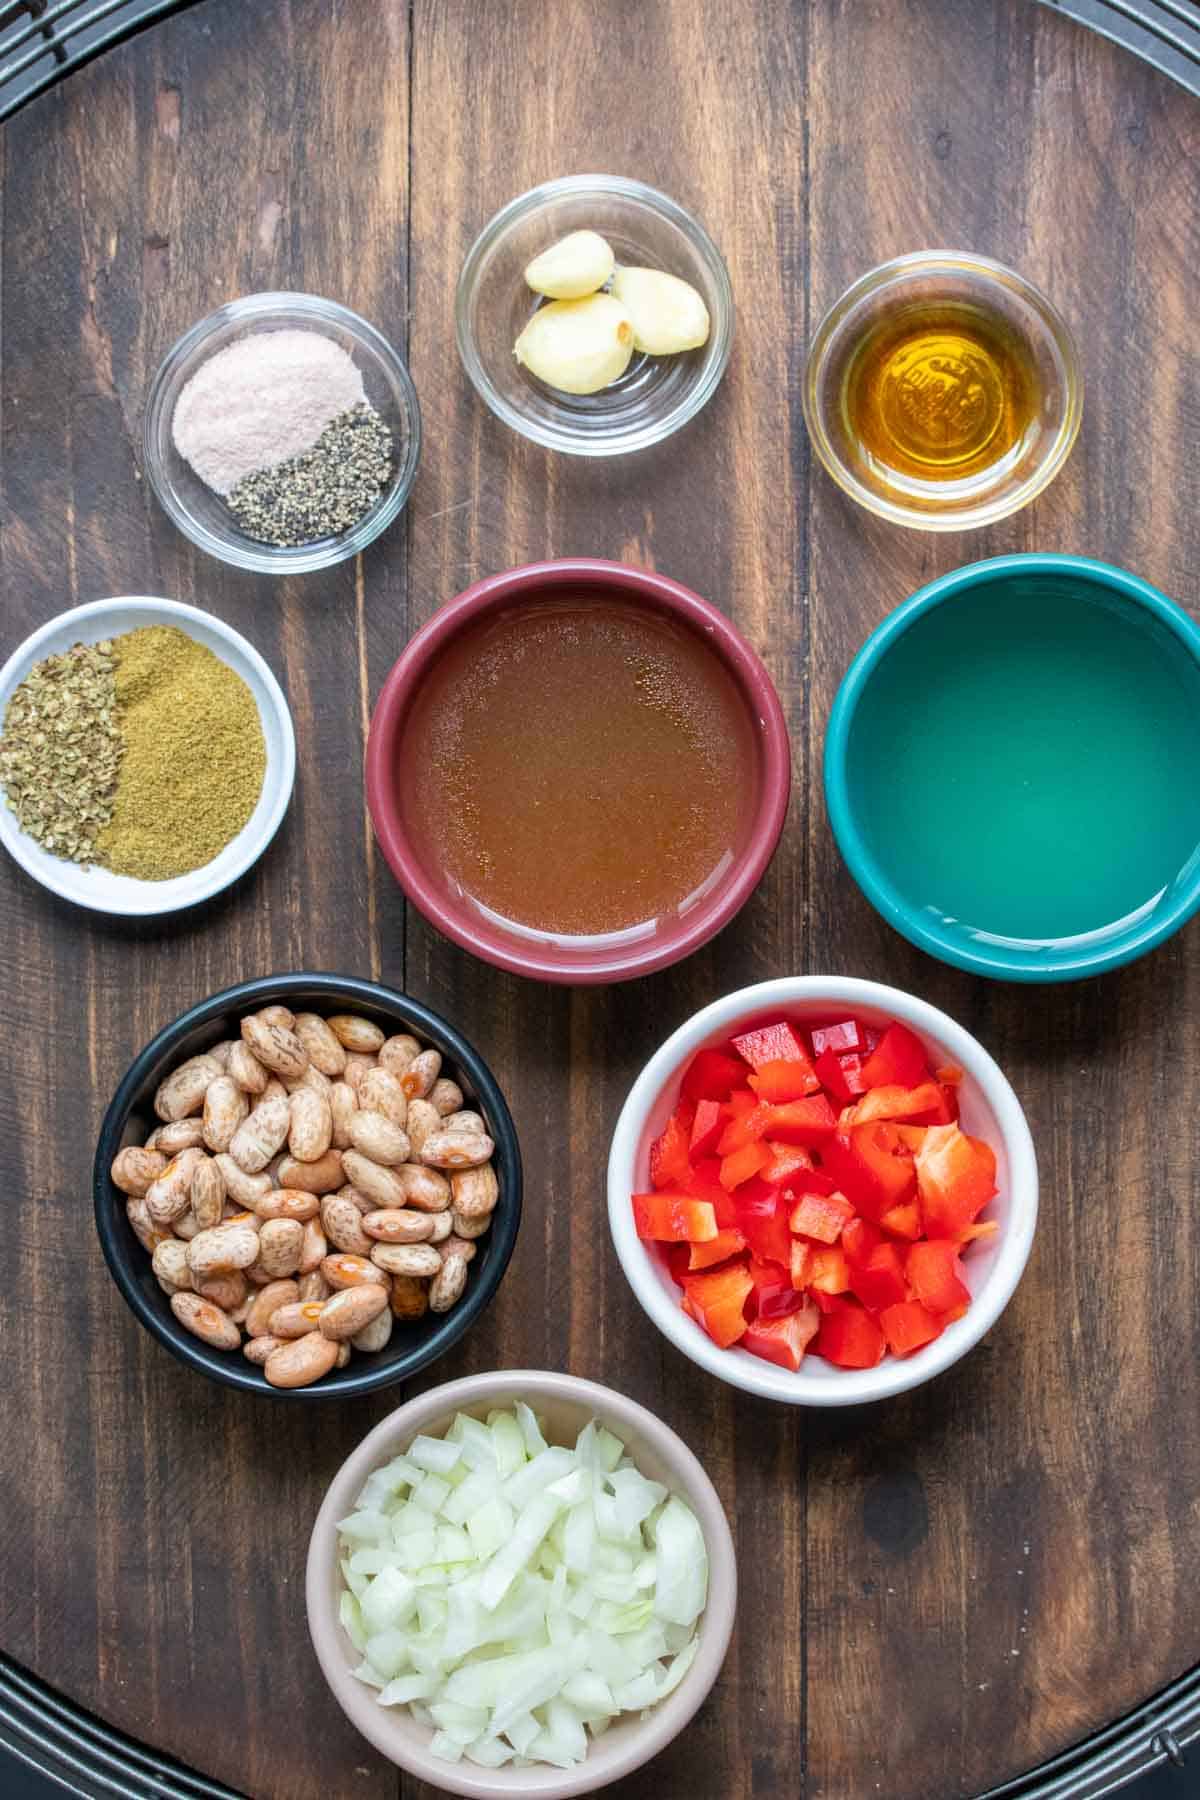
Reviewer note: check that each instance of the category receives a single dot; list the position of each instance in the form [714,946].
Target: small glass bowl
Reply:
[656,394]
[1013,480]
[201,514]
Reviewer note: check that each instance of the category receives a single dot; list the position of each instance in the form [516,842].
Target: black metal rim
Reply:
[1155,1733]
[82,1755]
[86,1757]
[48,35]
[127,1261]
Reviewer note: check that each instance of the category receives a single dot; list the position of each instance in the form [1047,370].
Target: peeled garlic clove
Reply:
[579,346]
[668,314]
[577,265]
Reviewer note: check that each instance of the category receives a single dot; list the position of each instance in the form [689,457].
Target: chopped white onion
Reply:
[516,1595]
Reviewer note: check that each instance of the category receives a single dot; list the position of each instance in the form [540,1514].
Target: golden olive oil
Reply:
[940,391]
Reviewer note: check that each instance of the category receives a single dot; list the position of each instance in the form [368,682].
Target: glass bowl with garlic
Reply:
[594,315]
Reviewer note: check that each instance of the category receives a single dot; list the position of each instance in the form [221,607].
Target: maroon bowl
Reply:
[563,959]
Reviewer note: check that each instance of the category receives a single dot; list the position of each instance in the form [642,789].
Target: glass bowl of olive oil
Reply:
[943,391]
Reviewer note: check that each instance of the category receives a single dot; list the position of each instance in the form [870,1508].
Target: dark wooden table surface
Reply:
[938,1593]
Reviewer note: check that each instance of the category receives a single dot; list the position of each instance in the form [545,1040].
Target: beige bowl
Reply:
[566,1404]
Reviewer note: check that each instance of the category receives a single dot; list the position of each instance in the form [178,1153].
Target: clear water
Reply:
[1026,762]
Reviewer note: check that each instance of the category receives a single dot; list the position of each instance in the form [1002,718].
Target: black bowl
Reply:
[130,1119]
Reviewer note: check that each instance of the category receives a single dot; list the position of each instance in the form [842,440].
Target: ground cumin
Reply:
[194,756]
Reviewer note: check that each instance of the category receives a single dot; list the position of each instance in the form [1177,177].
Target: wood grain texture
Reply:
[936,1594]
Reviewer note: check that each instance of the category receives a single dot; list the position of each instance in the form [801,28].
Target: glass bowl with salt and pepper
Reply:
[282,433]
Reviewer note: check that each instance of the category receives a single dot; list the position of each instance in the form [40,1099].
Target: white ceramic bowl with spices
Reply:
[200,512]
[98,888]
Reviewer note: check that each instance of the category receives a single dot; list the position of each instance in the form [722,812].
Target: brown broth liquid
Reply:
[583,766]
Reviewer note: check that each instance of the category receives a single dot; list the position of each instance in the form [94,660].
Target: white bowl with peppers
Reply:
[822,1190]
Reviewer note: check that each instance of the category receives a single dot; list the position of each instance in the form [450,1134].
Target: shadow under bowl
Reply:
[1010,768]
[130,1117]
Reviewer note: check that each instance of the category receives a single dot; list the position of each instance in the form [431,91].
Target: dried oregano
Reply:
[61,750]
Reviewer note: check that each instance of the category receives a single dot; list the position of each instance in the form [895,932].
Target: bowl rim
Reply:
[1000,964]
[159,611]
[300,559]
[712,368]
[690,1478]
[987,270]
[895,1375]
[231,1369]
[629,582]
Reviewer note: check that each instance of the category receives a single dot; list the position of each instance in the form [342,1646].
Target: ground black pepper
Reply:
[325,491]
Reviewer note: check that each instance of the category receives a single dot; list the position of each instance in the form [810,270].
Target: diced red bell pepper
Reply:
[829,1272]
[716,1301]
[779,1219]
[674,1218]
[704,1183]
[778,1082]
[837,1038]
[669,1160]
[982,1228]
[784,1340]
[956,1176]
[898,1060]
[741,1164]
[879,1281]
[789,1163]
[903,1221]
[802,1254]
[727,1243]
[935,1275]
[943,1111]
[899,1103]
[712,1075]
[774,1296]
[780,1042]
[853,1064]
[746,1128]
[707,1127]
[841,1076]
[849,1337]
[809,1122]
[871,1166]
[764,1226]
[911,1136]
[756,1198]
[859,1238]
[820,1216]
[907,1326]
[678,1257]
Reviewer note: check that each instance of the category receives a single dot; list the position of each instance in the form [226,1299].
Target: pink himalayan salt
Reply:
[260,400]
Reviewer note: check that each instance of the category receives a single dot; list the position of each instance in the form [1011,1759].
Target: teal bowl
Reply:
[1012,768]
